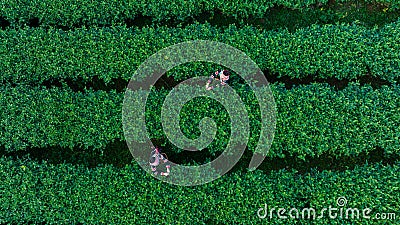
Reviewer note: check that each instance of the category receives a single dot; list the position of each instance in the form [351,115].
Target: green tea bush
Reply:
[33,192]
[311,119]
[107,12]
[40,117]
[342,51]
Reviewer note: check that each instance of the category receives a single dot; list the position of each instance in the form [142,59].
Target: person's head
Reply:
[156,150]
[226,73]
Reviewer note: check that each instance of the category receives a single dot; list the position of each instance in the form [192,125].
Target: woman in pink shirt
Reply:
[154,161]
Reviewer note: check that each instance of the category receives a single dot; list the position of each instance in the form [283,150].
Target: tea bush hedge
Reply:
[311,119]
[38,55]
[108,12]
[40,117]
[34,193]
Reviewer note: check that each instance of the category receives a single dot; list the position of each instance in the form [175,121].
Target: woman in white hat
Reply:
[221,75]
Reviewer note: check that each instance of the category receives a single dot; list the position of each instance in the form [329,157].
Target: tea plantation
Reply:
[333,69]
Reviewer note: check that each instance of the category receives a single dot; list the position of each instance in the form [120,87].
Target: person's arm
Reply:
[210,79]
[167,165]
[165,174]
[224,80]
[168,171]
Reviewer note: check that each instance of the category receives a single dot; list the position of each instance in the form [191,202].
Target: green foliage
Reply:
[315,119]
[341,51]
[39,117]
[68,194]
[108,12]
[311,120]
